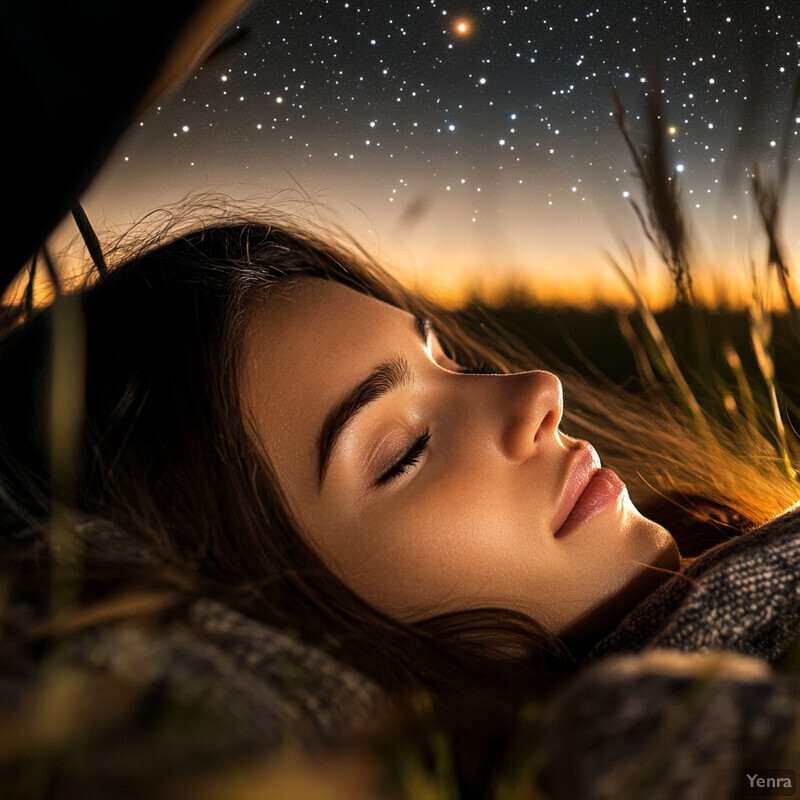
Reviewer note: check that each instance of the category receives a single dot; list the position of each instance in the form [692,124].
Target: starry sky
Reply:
[469,143]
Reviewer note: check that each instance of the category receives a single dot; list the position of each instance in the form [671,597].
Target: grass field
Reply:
[741,368]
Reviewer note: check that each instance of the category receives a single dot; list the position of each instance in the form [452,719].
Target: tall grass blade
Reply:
[65,413]
[672,371]
[760,334]
[747,402]
[643,366]
[665,226]
[90,238]
[30,284]
[52,272]
[769,198]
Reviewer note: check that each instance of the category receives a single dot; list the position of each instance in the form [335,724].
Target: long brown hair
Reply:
[165,452]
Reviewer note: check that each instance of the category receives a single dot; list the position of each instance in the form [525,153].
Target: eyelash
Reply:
[411,457]
[414,453]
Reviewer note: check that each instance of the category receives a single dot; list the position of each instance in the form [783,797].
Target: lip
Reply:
[588,490]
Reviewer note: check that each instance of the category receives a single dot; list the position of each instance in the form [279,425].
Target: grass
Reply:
[666,229]
[739,369]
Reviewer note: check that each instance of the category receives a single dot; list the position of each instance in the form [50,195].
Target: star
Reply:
[462,27]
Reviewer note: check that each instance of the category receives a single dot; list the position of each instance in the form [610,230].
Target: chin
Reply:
[657,545]
[654,554]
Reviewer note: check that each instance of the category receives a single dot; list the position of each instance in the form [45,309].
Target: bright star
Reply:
[462,27]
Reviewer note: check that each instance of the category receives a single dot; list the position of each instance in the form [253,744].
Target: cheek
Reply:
[441,550]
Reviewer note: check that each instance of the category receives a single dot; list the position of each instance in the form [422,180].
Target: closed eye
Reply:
[411,457]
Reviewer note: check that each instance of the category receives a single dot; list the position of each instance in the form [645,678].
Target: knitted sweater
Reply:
[697,688]
[743,595]
[691,690]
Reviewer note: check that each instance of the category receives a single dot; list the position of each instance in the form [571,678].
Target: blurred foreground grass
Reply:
[68,737]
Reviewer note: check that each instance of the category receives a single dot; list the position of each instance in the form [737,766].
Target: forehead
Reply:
[306,346]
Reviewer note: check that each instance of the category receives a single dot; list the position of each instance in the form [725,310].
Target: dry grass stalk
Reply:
[89,238]
[670,369]
[760,325]
[664,225]
[769,203]
[52,271]
[747,402]
[643,366]
[29,287]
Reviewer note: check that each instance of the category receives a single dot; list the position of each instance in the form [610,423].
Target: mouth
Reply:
[588,489]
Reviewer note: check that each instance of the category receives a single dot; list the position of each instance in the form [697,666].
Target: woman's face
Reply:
[426,489]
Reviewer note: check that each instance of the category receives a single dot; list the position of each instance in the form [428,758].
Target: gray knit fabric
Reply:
[267,690]
[263,688]
[743,595]
[273,689]
[687,693]
[664,724]
[694,703]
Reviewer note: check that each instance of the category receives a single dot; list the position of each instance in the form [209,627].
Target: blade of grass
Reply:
[747,401]
[89,238]
[760,326]
[665,226]
[65,413]
[29,286]
[769,197]
[672,370]
[643,366]
[52,272]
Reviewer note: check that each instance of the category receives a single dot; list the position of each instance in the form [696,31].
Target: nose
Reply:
[532,404]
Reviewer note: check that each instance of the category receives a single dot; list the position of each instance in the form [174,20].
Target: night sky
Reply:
[465,140]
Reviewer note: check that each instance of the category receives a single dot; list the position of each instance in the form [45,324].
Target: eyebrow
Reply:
[385,378]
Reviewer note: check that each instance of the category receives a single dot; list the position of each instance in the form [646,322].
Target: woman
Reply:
[429,489]
[282,428]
